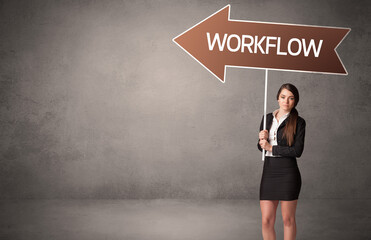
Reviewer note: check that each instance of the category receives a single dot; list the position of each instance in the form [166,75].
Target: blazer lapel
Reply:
[269,121]
[283,123]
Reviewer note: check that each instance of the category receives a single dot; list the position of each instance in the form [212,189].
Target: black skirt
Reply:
[281,179]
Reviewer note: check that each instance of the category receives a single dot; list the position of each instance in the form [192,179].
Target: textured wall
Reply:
[98,102]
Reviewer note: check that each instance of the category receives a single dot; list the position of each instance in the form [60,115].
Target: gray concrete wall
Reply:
[97,102]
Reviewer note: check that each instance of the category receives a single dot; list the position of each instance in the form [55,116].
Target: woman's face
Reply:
[286,100]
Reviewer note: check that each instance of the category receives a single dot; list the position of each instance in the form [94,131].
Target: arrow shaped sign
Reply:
[218,42]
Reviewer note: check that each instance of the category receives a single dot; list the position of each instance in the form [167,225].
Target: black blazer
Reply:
[283,148]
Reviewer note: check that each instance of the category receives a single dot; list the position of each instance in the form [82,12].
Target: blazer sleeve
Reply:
[261,128]
[297,148]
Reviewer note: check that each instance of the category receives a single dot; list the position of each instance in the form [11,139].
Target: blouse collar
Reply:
[276,111]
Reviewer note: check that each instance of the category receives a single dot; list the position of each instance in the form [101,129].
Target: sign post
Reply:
[265,107]
[217,42]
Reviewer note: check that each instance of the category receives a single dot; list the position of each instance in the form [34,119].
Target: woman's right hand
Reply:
[263,134]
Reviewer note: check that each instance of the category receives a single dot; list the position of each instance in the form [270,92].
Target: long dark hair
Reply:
[290,128]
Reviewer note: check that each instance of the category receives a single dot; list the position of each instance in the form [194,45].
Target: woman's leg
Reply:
[268,209]
[288,216]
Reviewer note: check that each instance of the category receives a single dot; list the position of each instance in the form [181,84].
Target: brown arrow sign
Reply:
[218,42]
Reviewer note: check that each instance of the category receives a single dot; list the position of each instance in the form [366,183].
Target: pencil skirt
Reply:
[281,179]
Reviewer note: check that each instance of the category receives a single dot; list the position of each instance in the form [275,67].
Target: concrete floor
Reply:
[176,219]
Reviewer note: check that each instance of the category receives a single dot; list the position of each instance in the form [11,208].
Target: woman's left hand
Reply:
[265,145]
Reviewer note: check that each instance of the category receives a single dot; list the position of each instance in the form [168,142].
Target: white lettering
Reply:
[216,39]
[289,46]
[263,47]
[269,44]
[229,43]
[258,44]
[279,47]
[312,45]
[248,45]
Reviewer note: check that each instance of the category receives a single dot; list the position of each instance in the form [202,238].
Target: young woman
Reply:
[281,179]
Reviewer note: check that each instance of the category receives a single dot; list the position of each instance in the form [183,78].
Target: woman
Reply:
[281,179]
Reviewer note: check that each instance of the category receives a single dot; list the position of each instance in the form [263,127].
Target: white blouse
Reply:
[273,131]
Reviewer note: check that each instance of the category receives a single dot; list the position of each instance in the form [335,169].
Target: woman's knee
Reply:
[268,222]
[268,208]
[288,221]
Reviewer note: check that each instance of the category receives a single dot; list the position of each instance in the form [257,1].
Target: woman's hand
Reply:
[265,145]
[263,134]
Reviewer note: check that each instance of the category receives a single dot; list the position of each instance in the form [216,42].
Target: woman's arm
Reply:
[297,148]
[261,128]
